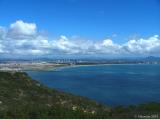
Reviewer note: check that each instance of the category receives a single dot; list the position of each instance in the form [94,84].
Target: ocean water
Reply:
[112,85]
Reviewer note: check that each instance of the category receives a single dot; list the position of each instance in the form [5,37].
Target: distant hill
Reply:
[24,98]
[152,58]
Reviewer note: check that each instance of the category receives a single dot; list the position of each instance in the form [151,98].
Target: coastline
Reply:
[49,103]
[86,65]
[57,72]
[22,67]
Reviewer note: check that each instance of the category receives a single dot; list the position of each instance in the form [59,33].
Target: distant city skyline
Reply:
[82,28]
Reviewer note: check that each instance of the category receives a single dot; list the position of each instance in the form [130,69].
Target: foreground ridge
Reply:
[24,98]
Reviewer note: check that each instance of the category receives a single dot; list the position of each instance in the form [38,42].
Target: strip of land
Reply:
[25,66]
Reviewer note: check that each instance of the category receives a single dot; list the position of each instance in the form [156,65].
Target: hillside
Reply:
[24,98]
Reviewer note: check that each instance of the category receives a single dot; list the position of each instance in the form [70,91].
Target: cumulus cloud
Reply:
[20,29]
[23,38]
[1,48]
[150,46]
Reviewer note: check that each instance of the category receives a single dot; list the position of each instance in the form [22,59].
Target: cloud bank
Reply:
[23,38]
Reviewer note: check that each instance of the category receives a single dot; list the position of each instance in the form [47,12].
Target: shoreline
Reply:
[50,66]
[86,65]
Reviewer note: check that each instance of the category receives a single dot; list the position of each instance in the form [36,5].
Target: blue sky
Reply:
[95,20]
[92,19]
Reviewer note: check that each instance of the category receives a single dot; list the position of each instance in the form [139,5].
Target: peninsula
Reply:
[24,98]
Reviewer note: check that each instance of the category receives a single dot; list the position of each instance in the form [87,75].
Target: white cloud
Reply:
[2,33]
[23,39]
[20,29]
[1,48]
[107,47]
[143,46]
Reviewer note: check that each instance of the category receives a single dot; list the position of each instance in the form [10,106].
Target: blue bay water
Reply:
[108,84]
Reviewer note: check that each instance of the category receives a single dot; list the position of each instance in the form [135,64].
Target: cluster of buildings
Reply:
[45,64]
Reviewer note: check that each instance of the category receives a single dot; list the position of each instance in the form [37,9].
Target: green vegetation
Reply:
[24,98]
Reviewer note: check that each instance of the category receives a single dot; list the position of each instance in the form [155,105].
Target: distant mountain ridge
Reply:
[77,58]
[152,58]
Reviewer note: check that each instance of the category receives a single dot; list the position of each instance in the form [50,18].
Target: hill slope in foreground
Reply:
[24,98]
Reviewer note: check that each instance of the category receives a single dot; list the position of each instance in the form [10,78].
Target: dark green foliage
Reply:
[24,98]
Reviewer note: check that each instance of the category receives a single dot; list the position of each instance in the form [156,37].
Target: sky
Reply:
[110,28]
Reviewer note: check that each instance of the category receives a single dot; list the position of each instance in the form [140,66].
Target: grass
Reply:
[24,98]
